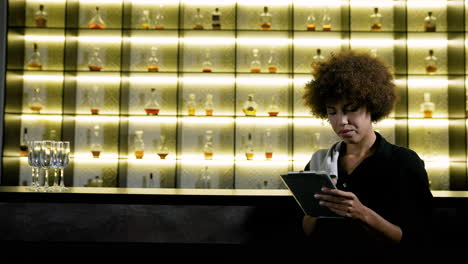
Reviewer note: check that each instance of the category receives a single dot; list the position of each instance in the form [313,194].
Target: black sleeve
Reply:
[307,167]
[415,201]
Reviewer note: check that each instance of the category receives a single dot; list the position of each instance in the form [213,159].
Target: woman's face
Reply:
[349,121]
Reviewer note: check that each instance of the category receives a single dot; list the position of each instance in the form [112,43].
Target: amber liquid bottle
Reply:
[265,17]
[376,20]
[431,63]
[216,19]
[96,22]
[34,62]
[249,151]
[41,17]
[427,107]
[24,143]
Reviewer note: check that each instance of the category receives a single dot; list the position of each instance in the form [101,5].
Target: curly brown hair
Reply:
[354,76]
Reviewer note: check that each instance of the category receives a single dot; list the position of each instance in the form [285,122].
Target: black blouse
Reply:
[392,182]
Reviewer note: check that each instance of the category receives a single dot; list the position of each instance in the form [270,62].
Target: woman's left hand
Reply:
[342,203]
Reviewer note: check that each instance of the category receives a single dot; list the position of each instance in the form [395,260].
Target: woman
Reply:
[382,190]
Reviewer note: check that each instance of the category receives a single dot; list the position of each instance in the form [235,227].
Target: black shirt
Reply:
[392,182]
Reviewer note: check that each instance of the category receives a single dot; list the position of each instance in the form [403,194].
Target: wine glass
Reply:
[34,148]
[45,158]
[55,162]
[63,158]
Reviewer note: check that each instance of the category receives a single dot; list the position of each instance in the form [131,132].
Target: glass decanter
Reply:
[40,17]
[94,100]
[209,106]
[255,64]
[163,150]
[430,22]
[249,151]
[207,65]
[36,104]
[96,21]
[152,105]
[265,19]
[311,22]
[94,60]
[268,145]
[376,20]
[216,19]
[208,147]
[273,61]
[427,107]
[24,143]
[191,105]
[326,20]
[139,144]
[96,146]
[250,106]
[198,20]
[431,63]
[153,61]
[204,180]
[273,109]
[145,21]
[35,62]
[159,18]
[317,59]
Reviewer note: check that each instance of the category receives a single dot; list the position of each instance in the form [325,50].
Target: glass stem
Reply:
[62,184]
[46,178]
[55,177]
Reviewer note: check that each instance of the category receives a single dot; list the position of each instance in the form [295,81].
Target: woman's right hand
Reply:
[308,224]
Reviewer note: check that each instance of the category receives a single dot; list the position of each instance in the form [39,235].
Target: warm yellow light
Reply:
[201,162]
[196,3]
[208,41]
[264,2]
[261,162]
[46,1]
[264,81]
[43,78]
[372,3]
[426,4]
[264,41]
[44,38]
[428,122]
[389,122]
[98,78]
[202,121]
[369,42]
[100,39]
[427,43]
[219,80]
[97,118]
[424,82]
[100,1]
[156,2]
[157,80]
[309,3]
[278,121]
[87,158]
[301,122]
[152,159]
[322,42]
[153,40]
[301,81]
[442,163]
[151,120]
[56,118]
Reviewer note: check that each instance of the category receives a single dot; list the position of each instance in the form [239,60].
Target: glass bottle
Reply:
[326,20]
[163,150]
[151,181]
[431,63]
[376,20]
[34,62]
[94,61]
[139,144]
[198,20]
[159,18]
[316,141]
[430,22]
[216,19]
[209,105]
[272,61]
[317,59]
[145,20]
[152,105]
[255,64]
[311,22]
[249,151]
[191,105]
[250,106]
[208,147]
[273,109]
[53,135]
[268,145]
[153,61]
[96,22]
[94,102]
[24,143]
[427,107]
[265,19]
[36,103]
[207,65]
[204,180]
[40,17]
[96,147]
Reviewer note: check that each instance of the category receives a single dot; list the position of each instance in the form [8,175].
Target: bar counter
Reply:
[130,218]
